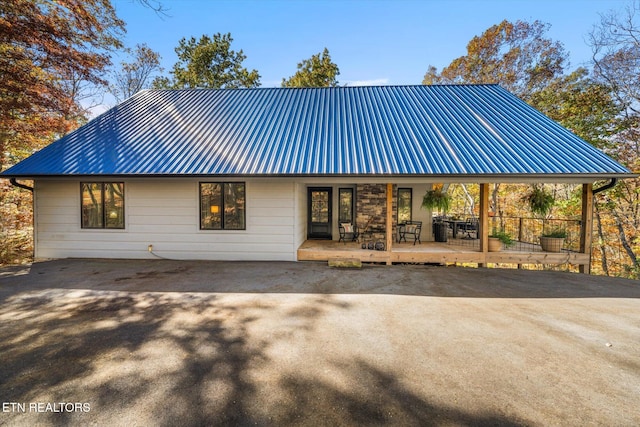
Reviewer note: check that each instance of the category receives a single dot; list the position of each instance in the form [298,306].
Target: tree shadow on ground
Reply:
[166,359]
[377,398]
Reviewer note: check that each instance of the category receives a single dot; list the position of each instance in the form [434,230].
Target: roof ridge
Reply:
[319,88]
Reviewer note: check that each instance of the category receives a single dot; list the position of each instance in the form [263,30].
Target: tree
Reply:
[209,63]
[589,109]
[601,107]
[615,45]
[317,71]
[517,55]
[52,55]
[43,46]
[135,76]
[581,104]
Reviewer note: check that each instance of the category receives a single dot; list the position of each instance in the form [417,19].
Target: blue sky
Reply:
[372,41]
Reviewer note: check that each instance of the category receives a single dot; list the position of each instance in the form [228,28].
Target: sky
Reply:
[373,42]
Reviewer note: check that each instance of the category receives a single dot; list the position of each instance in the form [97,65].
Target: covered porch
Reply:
[456,250]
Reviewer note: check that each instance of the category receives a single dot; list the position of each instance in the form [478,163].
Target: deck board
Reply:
[433,252]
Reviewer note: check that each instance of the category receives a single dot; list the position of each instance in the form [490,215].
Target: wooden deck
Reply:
[432,252]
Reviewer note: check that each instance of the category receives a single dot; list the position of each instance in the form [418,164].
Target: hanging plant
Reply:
[436,200]
[540,201]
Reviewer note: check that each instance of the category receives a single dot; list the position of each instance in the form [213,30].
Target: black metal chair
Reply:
[412,229]
[472,225]
[348,231]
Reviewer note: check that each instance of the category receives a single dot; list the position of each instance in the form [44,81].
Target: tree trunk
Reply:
[623,239]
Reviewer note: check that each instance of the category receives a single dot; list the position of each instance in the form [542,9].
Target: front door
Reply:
[319,209]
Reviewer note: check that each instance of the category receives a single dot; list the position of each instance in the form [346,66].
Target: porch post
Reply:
[586,226]
[389,221]
[484,222]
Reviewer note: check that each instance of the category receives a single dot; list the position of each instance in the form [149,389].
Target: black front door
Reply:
[319,209]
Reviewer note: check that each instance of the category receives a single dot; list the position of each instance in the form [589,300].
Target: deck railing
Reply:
[527,231]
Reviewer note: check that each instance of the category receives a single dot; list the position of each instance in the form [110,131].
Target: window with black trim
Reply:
[345,204]
[222,206]
[404,204]
[102,205]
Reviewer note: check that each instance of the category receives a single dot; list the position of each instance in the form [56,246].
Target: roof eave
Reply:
[497,177]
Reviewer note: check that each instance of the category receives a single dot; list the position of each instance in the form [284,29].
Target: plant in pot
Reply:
[553,240]
[540,203]
[438,200]
[498,239]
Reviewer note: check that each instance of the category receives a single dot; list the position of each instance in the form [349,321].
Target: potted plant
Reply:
[540,203]
[553,240]
[438,200]
[498,239]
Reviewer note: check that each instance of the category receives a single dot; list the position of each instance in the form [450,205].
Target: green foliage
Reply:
[516,55]
[161,82]
[317,71]
[209,63]
[540,201]
[582,105]
[556,232]
[436,199]
[503,236]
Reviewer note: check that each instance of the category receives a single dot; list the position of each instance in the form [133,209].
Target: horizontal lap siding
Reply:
[165,214]
[300,231]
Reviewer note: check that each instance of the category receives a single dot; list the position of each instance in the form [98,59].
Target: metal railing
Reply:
[526,232]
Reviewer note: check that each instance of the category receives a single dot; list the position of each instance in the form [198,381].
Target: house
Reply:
[251,174]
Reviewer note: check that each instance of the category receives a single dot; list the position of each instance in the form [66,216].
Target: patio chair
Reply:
[412,229]
[365,232]
[348,231]
[472,225]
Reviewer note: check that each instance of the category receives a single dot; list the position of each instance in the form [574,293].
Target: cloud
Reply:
[374,82]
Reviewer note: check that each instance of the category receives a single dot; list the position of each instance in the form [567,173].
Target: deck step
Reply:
[345,262]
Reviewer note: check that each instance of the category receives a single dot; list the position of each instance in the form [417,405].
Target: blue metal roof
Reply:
[449,130]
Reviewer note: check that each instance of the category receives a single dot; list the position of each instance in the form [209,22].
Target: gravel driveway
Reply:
[112,342]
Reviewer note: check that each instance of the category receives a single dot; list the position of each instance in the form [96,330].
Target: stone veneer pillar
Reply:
[371,201]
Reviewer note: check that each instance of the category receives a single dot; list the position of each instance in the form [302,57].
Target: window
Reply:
[222,206]
[102,205]
[345,204]
[404,205]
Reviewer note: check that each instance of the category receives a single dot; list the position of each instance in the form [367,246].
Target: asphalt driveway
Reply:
[106,342]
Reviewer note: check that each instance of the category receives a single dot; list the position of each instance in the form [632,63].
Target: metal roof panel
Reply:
[448,130]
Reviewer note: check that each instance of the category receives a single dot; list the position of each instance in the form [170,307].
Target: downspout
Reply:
[611,184]
[17,184]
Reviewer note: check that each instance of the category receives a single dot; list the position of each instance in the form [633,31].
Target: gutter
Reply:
[17,184]
[605,187]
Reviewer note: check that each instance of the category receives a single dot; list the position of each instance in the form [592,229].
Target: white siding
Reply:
[300,231]
[165,213]
[418,213]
